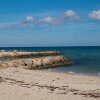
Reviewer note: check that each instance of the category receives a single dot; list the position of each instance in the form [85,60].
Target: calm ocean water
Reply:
[87,59]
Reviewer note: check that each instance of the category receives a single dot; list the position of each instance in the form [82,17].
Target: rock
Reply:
[47,62]
[10,65]
[4,65]
[16,54]
[33,63]
[27,62]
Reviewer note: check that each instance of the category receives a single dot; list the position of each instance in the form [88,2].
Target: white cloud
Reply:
[95,15]
[51,21]
[47,20]
[29,18]
[54,21]
[70,14]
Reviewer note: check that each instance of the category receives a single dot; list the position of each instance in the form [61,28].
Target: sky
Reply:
[49,23]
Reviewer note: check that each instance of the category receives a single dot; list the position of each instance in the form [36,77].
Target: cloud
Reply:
[9,26]
[54,21]
[49,21]
[70,14]
[46,21]
[28,20]
[95,15]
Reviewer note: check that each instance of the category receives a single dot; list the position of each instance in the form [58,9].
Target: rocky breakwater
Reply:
[48,60]
[15,54]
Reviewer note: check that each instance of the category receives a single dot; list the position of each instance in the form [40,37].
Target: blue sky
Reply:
[49,23]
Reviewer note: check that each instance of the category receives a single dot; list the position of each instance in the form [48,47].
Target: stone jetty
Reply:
[16,54]
[33,60]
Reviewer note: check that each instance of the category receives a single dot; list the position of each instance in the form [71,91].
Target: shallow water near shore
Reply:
[86,59]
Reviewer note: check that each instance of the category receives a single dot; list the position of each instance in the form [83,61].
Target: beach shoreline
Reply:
[21,84]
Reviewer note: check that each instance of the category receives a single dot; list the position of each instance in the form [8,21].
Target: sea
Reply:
[86,58]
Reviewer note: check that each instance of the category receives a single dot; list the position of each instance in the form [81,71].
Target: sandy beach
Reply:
[49,49]
[21,84]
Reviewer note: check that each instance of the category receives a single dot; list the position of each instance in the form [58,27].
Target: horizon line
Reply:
[48,46]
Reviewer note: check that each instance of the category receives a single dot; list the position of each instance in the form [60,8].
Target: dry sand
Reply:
[21,84]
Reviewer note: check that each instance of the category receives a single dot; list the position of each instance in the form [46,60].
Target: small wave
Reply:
[98,74]
[70,72]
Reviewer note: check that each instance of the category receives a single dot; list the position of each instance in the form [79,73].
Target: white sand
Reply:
[20,84]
